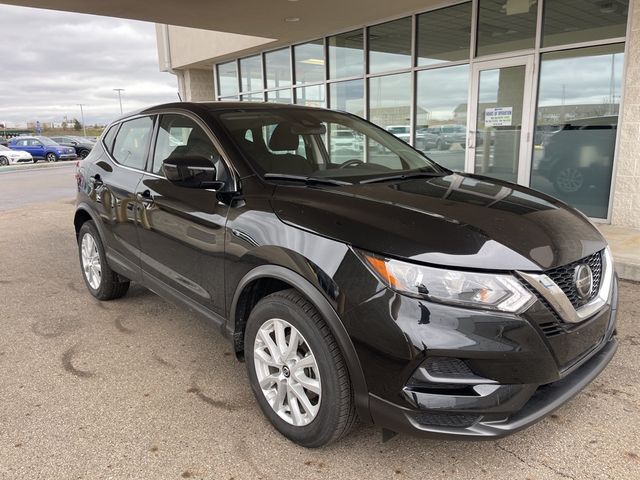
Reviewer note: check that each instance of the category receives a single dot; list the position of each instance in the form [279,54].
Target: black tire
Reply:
[4,161]
[84,153]
[336,414]
[112,285]
[51,157]
[35,160]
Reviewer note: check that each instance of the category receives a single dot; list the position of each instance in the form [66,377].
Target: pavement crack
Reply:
[539,462]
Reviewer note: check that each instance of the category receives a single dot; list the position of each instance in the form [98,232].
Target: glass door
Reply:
[500,123]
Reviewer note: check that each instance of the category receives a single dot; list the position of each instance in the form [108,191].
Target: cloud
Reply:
[53,61]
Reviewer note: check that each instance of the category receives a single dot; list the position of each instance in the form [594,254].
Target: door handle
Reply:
[145,197]
[471,139]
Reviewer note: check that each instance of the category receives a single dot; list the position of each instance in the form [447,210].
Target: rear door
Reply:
[114,186]
[182,230]
[37,148]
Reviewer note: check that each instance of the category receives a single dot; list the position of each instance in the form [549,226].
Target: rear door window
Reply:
[132,142]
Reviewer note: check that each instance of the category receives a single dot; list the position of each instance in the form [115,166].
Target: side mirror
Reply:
[192,171]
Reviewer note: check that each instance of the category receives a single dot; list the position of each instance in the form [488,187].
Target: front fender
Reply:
[330,316]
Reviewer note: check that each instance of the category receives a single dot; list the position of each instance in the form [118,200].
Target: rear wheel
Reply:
[35,160]
[102,282]
[569,180]
[51,157]
[84,153]
[297,372]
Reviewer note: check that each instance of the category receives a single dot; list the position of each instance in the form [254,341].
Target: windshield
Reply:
[304,142]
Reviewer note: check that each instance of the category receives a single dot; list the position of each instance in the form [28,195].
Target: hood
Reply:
[457,220]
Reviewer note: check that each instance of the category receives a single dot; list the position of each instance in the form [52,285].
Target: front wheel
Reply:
[102,282]
[4,161]
[51,157]
[569,180]
[297,372]
[84,153]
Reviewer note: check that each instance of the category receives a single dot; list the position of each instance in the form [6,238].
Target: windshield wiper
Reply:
[404,176]
[307,180]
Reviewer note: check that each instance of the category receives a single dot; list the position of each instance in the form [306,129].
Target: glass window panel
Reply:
[279,96]
[312,96]
[309,62]
[499,122]
[390,108]
[348,96]
[506,26]
[132,142]
[576,123]
[572,21]
[346,56]
[229,99]
[444,35]
[441,114]
[252,97]
[228,79]
[390,46]
[278,68]
[251,74]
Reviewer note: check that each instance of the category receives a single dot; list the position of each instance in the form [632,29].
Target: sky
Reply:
[52,61]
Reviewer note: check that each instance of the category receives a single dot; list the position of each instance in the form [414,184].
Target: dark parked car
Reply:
[421,300]
[42,148]
[81,145]
[580,155]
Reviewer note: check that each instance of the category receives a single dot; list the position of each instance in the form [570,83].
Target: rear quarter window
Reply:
[132,142]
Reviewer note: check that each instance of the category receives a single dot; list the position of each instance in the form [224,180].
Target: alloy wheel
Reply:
[287,372]
[51,157]
[569,180]
[91,265]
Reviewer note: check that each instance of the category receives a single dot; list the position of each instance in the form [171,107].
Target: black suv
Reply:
[81,145]
[381,286]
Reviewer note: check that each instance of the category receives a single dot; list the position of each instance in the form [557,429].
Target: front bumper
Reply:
[530,404]
[68,156]
[512,370]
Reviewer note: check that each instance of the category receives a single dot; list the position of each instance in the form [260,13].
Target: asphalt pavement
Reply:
[25,184]
[140,389]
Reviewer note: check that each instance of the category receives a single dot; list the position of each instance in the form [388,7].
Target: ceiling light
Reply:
[313,61]
[292,19]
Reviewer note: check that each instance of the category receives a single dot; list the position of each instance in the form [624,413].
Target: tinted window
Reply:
[309,62]
[390,46]
[109,136]
[179,136]
[506,26]
[130,147]
[444,35]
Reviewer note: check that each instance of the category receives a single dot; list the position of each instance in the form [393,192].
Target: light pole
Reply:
[84,129]
[119,90]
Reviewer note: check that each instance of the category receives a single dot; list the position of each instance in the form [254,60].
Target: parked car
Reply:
[580,155]
[421,300]
[346,140]
[81,145]
[447,135]
[42,148]
[8,156]
[403,132]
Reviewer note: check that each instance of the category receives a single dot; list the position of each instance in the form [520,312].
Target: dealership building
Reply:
[545,93]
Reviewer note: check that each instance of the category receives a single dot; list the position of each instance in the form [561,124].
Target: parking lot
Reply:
[137,388]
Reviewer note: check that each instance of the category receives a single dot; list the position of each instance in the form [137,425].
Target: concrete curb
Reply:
[35,166]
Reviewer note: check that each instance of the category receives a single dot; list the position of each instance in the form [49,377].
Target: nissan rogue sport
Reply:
[382,287]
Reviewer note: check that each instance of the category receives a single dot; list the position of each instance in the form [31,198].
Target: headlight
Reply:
[471,289]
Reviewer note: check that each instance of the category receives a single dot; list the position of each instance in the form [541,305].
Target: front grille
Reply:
[445,419]
[563,277]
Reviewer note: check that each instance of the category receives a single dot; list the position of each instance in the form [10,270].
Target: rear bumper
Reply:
[505,410]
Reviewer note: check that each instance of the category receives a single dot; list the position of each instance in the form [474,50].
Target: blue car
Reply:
[42,148]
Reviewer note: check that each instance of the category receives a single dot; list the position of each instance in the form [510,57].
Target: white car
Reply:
[9,157]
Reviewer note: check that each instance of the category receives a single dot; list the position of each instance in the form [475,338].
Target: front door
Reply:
[182,229]
[500,122]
